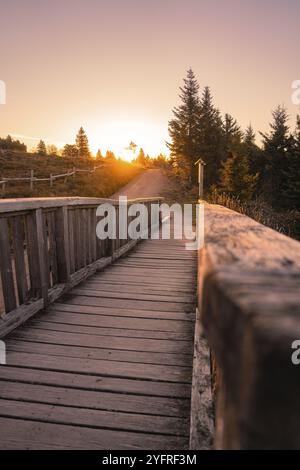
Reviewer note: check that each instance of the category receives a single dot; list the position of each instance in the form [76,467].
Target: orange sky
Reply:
[114,66]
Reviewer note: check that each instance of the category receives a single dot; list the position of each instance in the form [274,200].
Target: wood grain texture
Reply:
[249,301]
[105,366]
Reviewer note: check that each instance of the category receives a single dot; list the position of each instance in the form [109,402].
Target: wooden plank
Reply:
[62,244]
[96,419]
[102,367]
[40,251]
[89,340]
[130,304]
[20,434]
[85,290]
[87,317]
[139,288]
[18,238]
[161,406]
[93,237]
[71,237]
[7,278]
[77,305]
[96,382]
[84,324]
[53,257]
[180,360]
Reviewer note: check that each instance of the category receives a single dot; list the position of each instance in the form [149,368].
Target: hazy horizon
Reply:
[115,67]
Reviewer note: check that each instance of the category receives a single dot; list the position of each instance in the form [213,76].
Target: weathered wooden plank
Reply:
[115,342]
[85,316]
[41,255]
[63,245]
[85,290]
[20,434]
[18,239]
[84,324]
[161,406]
[77,305]
[8,287]
[71,237]
[180,360]
[130,304]
[97,419]
[102,367]
[53,256]
[96,382]
[139,288]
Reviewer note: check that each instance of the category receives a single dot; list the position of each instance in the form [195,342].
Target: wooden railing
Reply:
[249,304]
[47,246]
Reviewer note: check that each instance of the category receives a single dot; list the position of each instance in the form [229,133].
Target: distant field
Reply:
[103,183]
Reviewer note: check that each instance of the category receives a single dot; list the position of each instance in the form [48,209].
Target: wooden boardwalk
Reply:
[108,366]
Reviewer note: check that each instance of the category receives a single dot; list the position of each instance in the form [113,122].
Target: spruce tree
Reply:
[210,138]
[253,153]
[232,134]
[277,145]
[141,158]
[183,128]
[236,179]
[41,148]
[291,191]
[99,155]
[82,144]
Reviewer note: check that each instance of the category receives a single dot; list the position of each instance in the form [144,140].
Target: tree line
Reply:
[81,149]
[235,164]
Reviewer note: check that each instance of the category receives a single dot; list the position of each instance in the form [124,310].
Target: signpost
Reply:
[201,164]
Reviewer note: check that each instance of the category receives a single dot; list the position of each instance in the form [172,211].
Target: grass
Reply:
[103,183]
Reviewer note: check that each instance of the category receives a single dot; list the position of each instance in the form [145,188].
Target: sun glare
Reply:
[116,136]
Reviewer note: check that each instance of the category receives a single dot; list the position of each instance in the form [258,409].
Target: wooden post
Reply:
[62,244]
[74,171]
[41,249]
[6,267]
[51,180]
[201,165]
[31,179]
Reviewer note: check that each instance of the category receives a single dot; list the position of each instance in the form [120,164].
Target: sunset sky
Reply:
[115,66]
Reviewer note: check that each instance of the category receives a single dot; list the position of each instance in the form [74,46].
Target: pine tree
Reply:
[41,148]
[99,155]
[210,138]
[277,150]
[82,144]
[183,128]
[70,151]
[291,191]
[232,134]
[253,153]
[110,156]
[141,158]
[236,179]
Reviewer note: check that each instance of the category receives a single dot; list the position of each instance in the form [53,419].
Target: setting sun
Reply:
[116,136]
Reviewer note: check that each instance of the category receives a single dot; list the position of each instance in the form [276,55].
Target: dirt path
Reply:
[151,183]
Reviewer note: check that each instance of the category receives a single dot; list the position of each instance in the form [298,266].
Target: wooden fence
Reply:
[33,179]
[47,246]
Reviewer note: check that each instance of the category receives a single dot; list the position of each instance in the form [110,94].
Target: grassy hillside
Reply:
[103,183]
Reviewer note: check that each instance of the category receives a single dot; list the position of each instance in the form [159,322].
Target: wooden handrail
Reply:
[47,246]
[249,303]
[25,204]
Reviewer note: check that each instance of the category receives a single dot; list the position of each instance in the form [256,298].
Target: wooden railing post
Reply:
[6,267]
[31,179]
[62,244]
[41,249]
